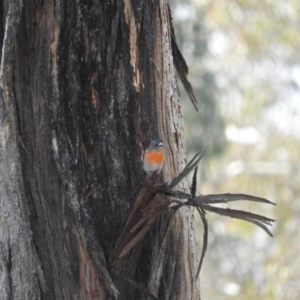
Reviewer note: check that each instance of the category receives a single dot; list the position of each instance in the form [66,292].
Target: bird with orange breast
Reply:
[154,157]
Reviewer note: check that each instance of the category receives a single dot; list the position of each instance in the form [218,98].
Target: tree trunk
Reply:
[84,86]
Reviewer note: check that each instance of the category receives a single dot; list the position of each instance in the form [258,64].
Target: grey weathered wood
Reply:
[84,86]
[20,267]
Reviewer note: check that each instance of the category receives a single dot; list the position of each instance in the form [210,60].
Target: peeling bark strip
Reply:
[182,68]
[134,28]
[84,86]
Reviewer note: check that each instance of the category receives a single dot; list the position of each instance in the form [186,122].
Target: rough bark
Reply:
[84,86]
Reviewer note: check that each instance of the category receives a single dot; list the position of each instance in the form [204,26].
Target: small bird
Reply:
[154,157]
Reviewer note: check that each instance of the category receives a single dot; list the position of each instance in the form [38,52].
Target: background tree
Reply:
[84,86]
[251,49]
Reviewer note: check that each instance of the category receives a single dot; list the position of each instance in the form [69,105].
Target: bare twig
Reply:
[153,200]
[194,183]
[191,165]
[205,238]
[225,198]
[259,220]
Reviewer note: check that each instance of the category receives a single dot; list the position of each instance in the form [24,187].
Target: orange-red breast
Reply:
[154,157]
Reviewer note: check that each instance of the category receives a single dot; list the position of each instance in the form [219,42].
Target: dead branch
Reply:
[153,200]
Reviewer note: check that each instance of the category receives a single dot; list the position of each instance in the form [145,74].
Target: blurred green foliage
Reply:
[244,59]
